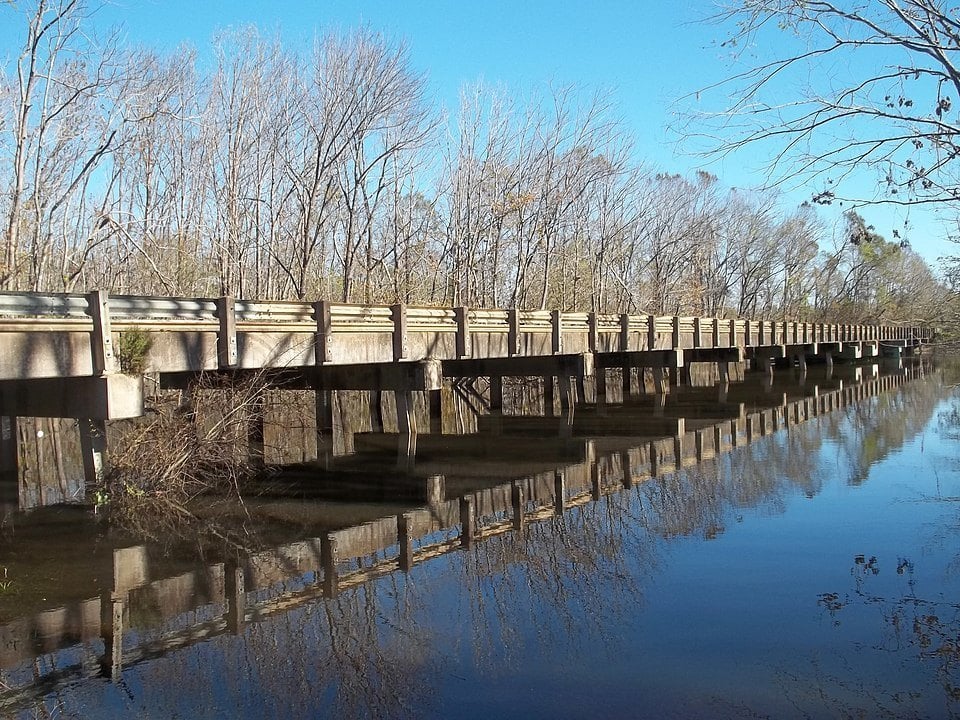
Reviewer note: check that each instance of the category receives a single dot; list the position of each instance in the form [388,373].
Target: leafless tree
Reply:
[879,81]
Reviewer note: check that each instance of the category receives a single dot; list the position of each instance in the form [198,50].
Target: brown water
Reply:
[792,553]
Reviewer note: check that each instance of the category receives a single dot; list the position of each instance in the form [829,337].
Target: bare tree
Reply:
[57,137]
[879,81]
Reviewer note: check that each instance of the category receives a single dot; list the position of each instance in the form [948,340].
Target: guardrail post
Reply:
[733,332]
[624,332]
[101,347]
[761,326]
[651,332]
[592,334]
[322,350]
[747,339]
[464,348]
[400,346]
[676,332]
[556,332]
[697,329]
[227,335]
[513,332]
[716,332]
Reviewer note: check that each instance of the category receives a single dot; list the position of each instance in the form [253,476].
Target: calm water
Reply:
[811,571]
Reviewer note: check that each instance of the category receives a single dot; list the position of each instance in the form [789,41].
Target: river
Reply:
[789,550]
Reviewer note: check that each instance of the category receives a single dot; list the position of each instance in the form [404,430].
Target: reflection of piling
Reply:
[517,503]
[559,492]
[328,562]
[234,583]
[627,469]
[112,607]
[468,522]
[405,541]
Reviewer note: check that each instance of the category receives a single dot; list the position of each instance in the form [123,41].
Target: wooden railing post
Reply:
[697,328]
[101,340]
[227,335]
[733,332]
[676,332]
[651,332]
[592,333]
[624,332]
[716,332]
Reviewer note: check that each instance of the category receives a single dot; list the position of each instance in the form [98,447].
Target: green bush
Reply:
[132,350]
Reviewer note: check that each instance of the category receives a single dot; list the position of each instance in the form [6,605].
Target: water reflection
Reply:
[539,537]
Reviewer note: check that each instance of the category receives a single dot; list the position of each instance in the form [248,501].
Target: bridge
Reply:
[85,356]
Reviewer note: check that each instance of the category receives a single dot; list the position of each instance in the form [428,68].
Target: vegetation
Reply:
[857,100]
[132,348]
[181,452]
[273,174]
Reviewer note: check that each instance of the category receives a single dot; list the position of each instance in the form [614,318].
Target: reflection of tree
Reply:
[573,579]
[925,632]
[558,586]
[866,432]
[362,654]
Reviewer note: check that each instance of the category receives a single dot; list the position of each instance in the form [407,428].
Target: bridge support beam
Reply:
[763,357]
[106,397]
[658,360]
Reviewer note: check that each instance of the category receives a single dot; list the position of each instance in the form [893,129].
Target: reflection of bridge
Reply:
[64,355]
[221,598]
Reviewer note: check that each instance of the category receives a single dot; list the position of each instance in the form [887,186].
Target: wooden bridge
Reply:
[74,355]
[340,559]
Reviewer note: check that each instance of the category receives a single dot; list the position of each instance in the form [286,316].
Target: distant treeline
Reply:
[330,173]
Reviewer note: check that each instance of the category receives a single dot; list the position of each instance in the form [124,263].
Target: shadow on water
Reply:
[399,579]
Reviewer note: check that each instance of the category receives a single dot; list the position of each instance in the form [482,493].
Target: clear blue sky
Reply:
[648,54]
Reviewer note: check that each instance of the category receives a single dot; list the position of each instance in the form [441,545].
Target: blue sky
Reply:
[649,55]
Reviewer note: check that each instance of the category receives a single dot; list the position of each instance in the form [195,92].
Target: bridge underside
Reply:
[290,362]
